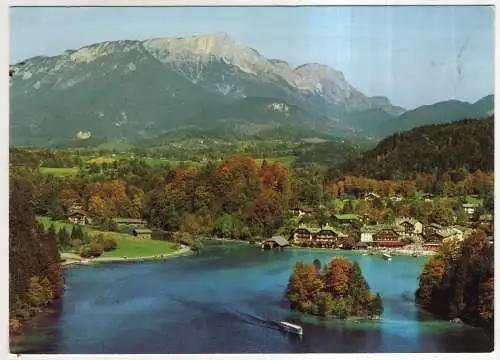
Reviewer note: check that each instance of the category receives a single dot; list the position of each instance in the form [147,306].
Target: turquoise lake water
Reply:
[227,300]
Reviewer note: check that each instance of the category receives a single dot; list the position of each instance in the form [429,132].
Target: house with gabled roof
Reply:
[383,235]
[328,235]
[347,218]
[325,236]
[430,229]
[444,234]
[427,197]
[301,234]
[301,210]
[79,217]
[470,209]
[371,196]
[396,198]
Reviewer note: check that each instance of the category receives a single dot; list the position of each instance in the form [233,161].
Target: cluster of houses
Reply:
[325,237]
[135,227]
[396,235]
[409,230]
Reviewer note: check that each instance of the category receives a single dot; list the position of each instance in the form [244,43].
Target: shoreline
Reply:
[184,250]
[399,252]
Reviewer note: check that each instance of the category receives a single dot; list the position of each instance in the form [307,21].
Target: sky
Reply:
[413,55]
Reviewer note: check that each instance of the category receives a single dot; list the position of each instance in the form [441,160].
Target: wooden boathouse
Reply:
[275,242]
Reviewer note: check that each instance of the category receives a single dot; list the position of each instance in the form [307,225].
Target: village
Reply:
[351,231]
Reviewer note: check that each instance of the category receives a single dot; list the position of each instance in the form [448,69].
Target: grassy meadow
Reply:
[128,245]
[59,171]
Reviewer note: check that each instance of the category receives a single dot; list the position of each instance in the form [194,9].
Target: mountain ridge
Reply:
[139,88]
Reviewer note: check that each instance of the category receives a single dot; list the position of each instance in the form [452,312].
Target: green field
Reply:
[128,245]
[148,160]
[474,200]
[59,171]
[133,247]
[114,145]
[338,204]
[285,160]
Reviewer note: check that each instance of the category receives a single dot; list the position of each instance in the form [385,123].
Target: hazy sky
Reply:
[413,55]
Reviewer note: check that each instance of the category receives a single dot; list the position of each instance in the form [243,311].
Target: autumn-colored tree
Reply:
[296,291]
[237,182]
[324,302]
[264,213]
[337,276]
[348,242]
[108,199]
[69,197]
[430,280]
[450,249]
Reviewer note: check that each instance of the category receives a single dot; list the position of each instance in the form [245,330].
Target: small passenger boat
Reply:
[387,256]
[296,329]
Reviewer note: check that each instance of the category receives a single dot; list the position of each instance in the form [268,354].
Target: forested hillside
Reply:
[460,283]
[464,144]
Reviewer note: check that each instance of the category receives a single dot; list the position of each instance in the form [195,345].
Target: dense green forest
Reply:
[464,144]
[459,282]
[35,274]
[339,290]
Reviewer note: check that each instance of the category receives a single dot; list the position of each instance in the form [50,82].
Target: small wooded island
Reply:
[338,290]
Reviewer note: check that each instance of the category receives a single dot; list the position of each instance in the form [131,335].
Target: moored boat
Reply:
[296,329]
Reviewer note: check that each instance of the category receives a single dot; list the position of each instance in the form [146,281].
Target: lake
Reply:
[226,300]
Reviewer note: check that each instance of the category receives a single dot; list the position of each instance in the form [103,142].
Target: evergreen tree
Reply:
[52,234]
[74,233]
[376,308]
[317,264]
[359,292]
[56,211]
[63,237]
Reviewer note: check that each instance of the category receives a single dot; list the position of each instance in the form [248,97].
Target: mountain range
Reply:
[140,89]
